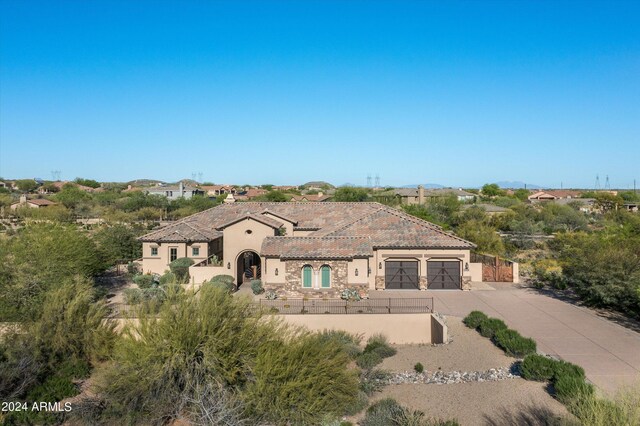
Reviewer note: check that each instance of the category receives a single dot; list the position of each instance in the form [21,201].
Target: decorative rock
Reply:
[446,378]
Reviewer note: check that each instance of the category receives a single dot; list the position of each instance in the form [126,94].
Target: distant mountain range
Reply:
[426,185]
[517,185]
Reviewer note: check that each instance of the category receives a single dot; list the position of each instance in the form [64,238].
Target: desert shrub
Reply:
[623,409]
[168,278]
[312,380]
[362,401]
[368,360]
[223,278]
[419,368]
[350,294]
[180,267]
[373,380]
[271,295]
[514,344]
[349,342]
[538,367]
[490,326]
[132,296]
[143,280]
[133,268]
[378,344]
[474,319]
[223,285]
[256,287]
[569,388]
[383,413]
[567,369]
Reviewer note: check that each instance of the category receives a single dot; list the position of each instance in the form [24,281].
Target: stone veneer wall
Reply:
[293,280]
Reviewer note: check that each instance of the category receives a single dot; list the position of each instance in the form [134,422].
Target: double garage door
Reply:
[403,275]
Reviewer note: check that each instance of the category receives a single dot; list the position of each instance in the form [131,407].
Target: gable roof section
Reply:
[316,247]
[181,232]
[265,220]
[279,215]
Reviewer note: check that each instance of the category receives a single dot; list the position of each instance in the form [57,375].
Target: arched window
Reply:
[307,273]
[325,276]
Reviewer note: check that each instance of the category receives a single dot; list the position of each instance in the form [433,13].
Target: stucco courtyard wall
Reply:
[398,328]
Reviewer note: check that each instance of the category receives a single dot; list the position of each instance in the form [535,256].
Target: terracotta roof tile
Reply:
[316,247]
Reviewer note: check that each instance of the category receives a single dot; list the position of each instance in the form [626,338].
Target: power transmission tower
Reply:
[606,184]
[55,175]
[200,177]
[377,180]
[597,182]
[369,180]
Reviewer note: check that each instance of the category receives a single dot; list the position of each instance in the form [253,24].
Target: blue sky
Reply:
[457,93]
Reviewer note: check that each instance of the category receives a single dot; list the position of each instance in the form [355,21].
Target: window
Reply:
[195,251]
[154,251]
[325,276]
[173,254]
[306,276]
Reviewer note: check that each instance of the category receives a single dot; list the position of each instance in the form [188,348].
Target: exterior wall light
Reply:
[466,266]
[380,265]
[276,272]
[368,271]
[356,272]
[228,265]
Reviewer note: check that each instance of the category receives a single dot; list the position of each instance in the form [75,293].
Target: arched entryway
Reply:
[248,267]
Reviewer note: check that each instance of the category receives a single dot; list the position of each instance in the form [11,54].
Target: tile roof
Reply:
[258,218]
[332,222]
[316,247]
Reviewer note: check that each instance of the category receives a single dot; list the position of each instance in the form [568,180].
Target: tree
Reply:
[492,190]
[117,243]
[50,187]
[276,196]
[87,182]
[351,194]
[607,202]
[484,236]
[71,196]
[26,185]
[521,194]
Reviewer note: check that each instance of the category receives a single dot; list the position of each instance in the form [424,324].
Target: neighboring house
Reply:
[3,185]
[557,194]
[314,249]
[35,203]
[490,209]
[60,184]
[419,195]
[215,190]
[285,188]
[175,192]
[319,197]
[632,207]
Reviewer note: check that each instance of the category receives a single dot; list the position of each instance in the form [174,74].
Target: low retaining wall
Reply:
[439,330]
[398,328]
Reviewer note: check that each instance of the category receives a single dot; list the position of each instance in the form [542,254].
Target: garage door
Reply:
[401,276]
[443,275]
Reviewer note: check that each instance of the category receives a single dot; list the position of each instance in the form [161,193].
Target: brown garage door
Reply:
[443,275]
[401,275]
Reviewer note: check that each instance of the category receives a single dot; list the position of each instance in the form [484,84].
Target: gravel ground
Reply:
[468,351]
[503,403]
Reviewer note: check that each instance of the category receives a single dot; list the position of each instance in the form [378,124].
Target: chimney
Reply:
[420,194]
[181,188]
[23,199]
[320,194]
[230,199]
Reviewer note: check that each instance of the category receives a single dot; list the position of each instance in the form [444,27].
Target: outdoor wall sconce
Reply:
[466,266]
[276,272]
[380,265]
[368,271]
[228,265]
[356,272]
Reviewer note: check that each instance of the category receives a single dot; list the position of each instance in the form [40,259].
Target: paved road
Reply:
[609,353]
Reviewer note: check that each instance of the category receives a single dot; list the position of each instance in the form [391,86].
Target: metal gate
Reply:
[401,275]
[443,275]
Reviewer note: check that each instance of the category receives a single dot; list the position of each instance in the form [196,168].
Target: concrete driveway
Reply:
[609,353]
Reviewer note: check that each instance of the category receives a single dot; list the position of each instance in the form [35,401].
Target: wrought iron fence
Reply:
[339,306]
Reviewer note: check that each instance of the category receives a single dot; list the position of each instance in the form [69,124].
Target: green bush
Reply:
[224,278]
[514,344]
[55,388]
[570,388]
[361,403]
[144,280]
[132,296]
[474,319]
[567,369]
[419,368]
[296,381]
[168,278]
[368,360]
[223,285]
[490,326]
[378,344]
[538,367]
[373,380]
[383,413]
[180,267]
[256,287]
[350,342]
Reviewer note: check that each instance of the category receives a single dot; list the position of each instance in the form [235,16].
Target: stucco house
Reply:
[173,192]
[33,203]
[420,195]
[314,249]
